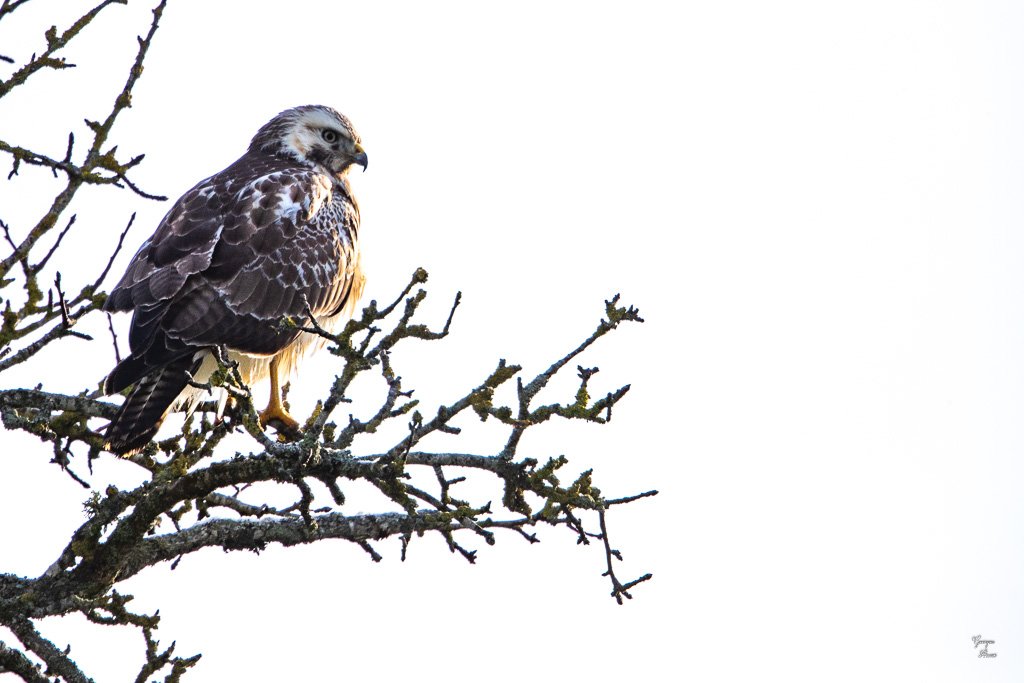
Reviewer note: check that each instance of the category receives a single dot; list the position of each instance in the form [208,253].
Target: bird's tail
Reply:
[147,405]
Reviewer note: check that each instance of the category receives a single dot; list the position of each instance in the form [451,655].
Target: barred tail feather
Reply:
[146,406]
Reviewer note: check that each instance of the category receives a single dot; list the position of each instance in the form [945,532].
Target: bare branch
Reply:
[29,398]
[134,188]
[27,156]
[57,332]
[124,100]
[618,589]
[113,336]
[57,661]
[9,6]
[244,509]
[120,241]
[630,499]
[14,661]
[53,43]
[39,266]
[615,316]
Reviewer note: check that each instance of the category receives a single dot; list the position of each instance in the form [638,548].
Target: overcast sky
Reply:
[817,208]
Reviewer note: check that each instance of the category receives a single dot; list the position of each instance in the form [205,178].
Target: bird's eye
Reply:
[329,136]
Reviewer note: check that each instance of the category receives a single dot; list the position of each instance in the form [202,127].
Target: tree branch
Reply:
[15,661]
[57,662]
[53,43]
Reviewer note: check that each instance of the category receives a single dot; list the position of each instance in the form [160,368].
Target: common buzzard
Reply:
[238,252]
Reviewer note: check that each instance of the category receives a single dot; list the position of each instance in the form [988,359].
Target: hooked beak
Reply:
[360,157]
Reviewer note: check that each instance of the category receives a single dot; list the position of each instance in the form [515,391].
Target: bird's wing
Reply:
[235,254]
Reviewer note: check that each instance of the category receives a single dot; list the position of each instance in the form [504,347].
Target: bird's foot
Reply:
[277,417]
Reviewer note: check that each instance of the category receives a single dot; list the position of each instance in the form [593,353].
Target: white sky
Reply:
[816,207]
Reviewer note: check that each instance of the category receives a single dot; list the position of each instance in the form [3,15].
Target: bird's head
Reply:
[313,134]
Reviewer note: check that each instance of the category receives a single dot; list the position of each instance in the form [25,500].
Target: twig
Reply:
[424,496]
[244,509]
[9,6]
[7,235]
[117,250]
[39,266]
[136,190]
[374,555]
[113,335]
[576,525]
[58,331]
[630,499]
[54,43]
[618,589]
[65,317]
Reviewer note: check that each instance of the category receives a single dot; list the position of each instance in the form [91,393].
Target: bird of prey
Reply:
[234,255]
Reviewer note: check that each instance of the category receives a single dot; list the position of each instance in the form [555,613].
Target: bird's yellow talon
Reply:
[275,411]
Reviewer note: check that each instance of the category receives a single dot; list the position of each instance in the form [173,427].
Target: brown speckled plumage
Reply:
[233,256]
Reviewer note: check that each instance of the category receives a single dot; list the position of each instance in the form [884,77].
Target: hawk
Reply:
[234,255]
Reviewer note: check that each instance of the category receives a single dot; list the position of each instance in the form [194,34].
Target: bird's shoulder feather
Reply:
[248,244]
